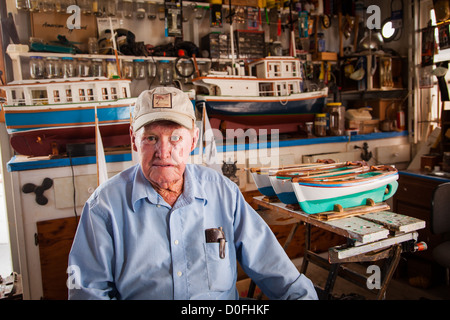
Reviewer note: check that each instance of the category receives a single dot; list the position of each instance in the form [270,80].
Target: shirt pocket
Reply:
[220,272]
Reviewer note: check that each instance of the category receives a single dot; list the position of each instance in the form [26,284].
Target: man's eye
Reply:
[175,138]
[151,139]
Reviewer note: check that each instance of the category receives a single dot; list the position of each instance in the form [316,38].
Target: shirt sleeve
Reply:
[264,260]
[90,259]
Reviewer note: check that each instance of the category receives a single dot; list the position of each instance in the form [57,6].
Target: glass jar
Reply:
[85,6]
[111,68]
[48,6]
[52,67]
[165,72]
[67,67]
[140,9]
[139,69]
[96,8]
[320,125]
[127,7]
[97,68]
[93,45]
[110,8]
[83,68]
[127,69]
[152,10]
[37,68]
[33,5]
[22,5]
[151,69]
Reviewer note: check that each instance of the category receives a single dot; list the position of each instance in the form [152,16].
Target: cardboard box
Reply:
[364,126]
[47,26]
[381,108]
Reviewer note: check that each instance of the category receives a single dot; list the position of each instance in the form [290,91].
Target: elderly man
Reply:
[164,229]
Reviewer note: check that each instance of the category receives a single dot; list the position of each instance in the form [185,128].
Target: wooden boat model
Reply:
[261,176]
[323,192]
[272,93]
[281,180]
[43,116]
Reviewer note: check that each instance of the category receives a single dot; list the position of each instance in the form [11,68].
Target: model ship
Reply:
[321,188]
[323,193]
[43,116]
[262,176]
[271,93]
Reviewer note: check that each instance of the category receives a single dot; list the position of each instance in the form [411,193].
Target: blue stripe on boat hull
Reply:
[264,112]
[81,116]
[267,191]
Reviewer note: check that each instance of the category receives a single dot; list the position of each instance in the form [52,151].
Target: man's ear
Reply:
[195,138]
[133,139]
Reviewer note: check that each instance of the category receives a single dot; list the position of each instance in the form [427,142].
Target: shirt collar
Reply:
[143,189]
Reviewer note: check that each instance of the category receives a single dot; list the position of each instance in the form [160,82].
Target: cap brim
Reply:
[181,119]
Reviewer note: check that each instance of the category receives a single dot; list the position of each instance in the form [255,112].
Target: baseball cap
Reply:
[163,103]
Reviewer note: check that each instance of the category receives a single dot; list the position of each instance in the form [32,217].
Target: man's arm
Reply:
[91,259]
[264,260]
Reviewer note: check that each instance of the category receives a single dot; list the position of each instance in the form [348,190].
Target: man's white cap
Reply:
[163,103]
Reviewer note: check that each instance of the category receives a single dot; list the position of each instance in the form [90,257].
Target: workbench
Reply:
[373,236]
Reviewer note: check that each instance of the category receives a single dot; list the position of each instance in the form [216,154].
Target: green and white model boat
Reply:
[321,193]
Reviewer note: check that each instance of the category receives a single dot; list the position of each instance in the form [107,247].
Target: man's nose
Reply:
[164,148]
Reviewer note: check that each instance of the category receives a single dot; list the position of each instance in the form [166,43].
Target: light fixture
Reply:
[387,31]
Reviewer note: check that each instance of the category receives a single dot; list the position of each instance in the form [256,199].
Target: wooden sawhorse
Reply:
[370,237]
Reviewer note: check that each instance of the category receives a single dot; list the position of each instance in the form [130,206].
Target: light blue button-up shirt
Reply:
[130,244]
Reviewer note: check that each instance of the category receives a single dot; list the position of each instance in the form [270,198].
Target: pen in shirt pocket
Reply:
[217,235]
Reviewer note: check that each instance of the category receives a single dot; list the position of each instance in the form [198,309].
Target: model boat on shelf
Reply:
[272,93]
[43,116]
[323,192]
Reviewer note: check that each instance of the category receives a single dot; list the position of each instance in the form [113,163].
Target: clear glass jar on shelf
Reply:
[67,67]
[52,67]
[48,6]
[127,69]
[110,8]
[22,5]
[37,67]
[127,8]
[33,5]
[151,69]
[111,68]
[85,6]
[139,69]
[140,9]
[97,69]
[83,67]
[165,72]
[320,125]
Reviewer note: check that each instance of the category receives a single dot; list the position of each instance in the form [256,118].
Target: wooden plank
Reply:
[353,228]
[359,229]
[394,221]
[55,241]
[345,254]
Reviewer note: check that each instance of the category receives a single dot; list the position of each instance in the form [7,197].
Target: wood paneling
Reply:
[55,240]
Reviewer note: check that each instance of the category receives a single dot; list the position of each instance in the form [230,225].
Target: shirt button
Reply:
[176,242]
[179,273]
[158,205]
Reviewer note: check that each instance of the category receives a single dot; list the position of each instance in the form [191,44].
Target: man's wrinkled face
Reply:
[163,148]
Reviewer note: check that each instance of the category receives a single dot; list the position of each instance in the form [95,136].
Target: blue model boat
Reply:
[272,93]
[43,116]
